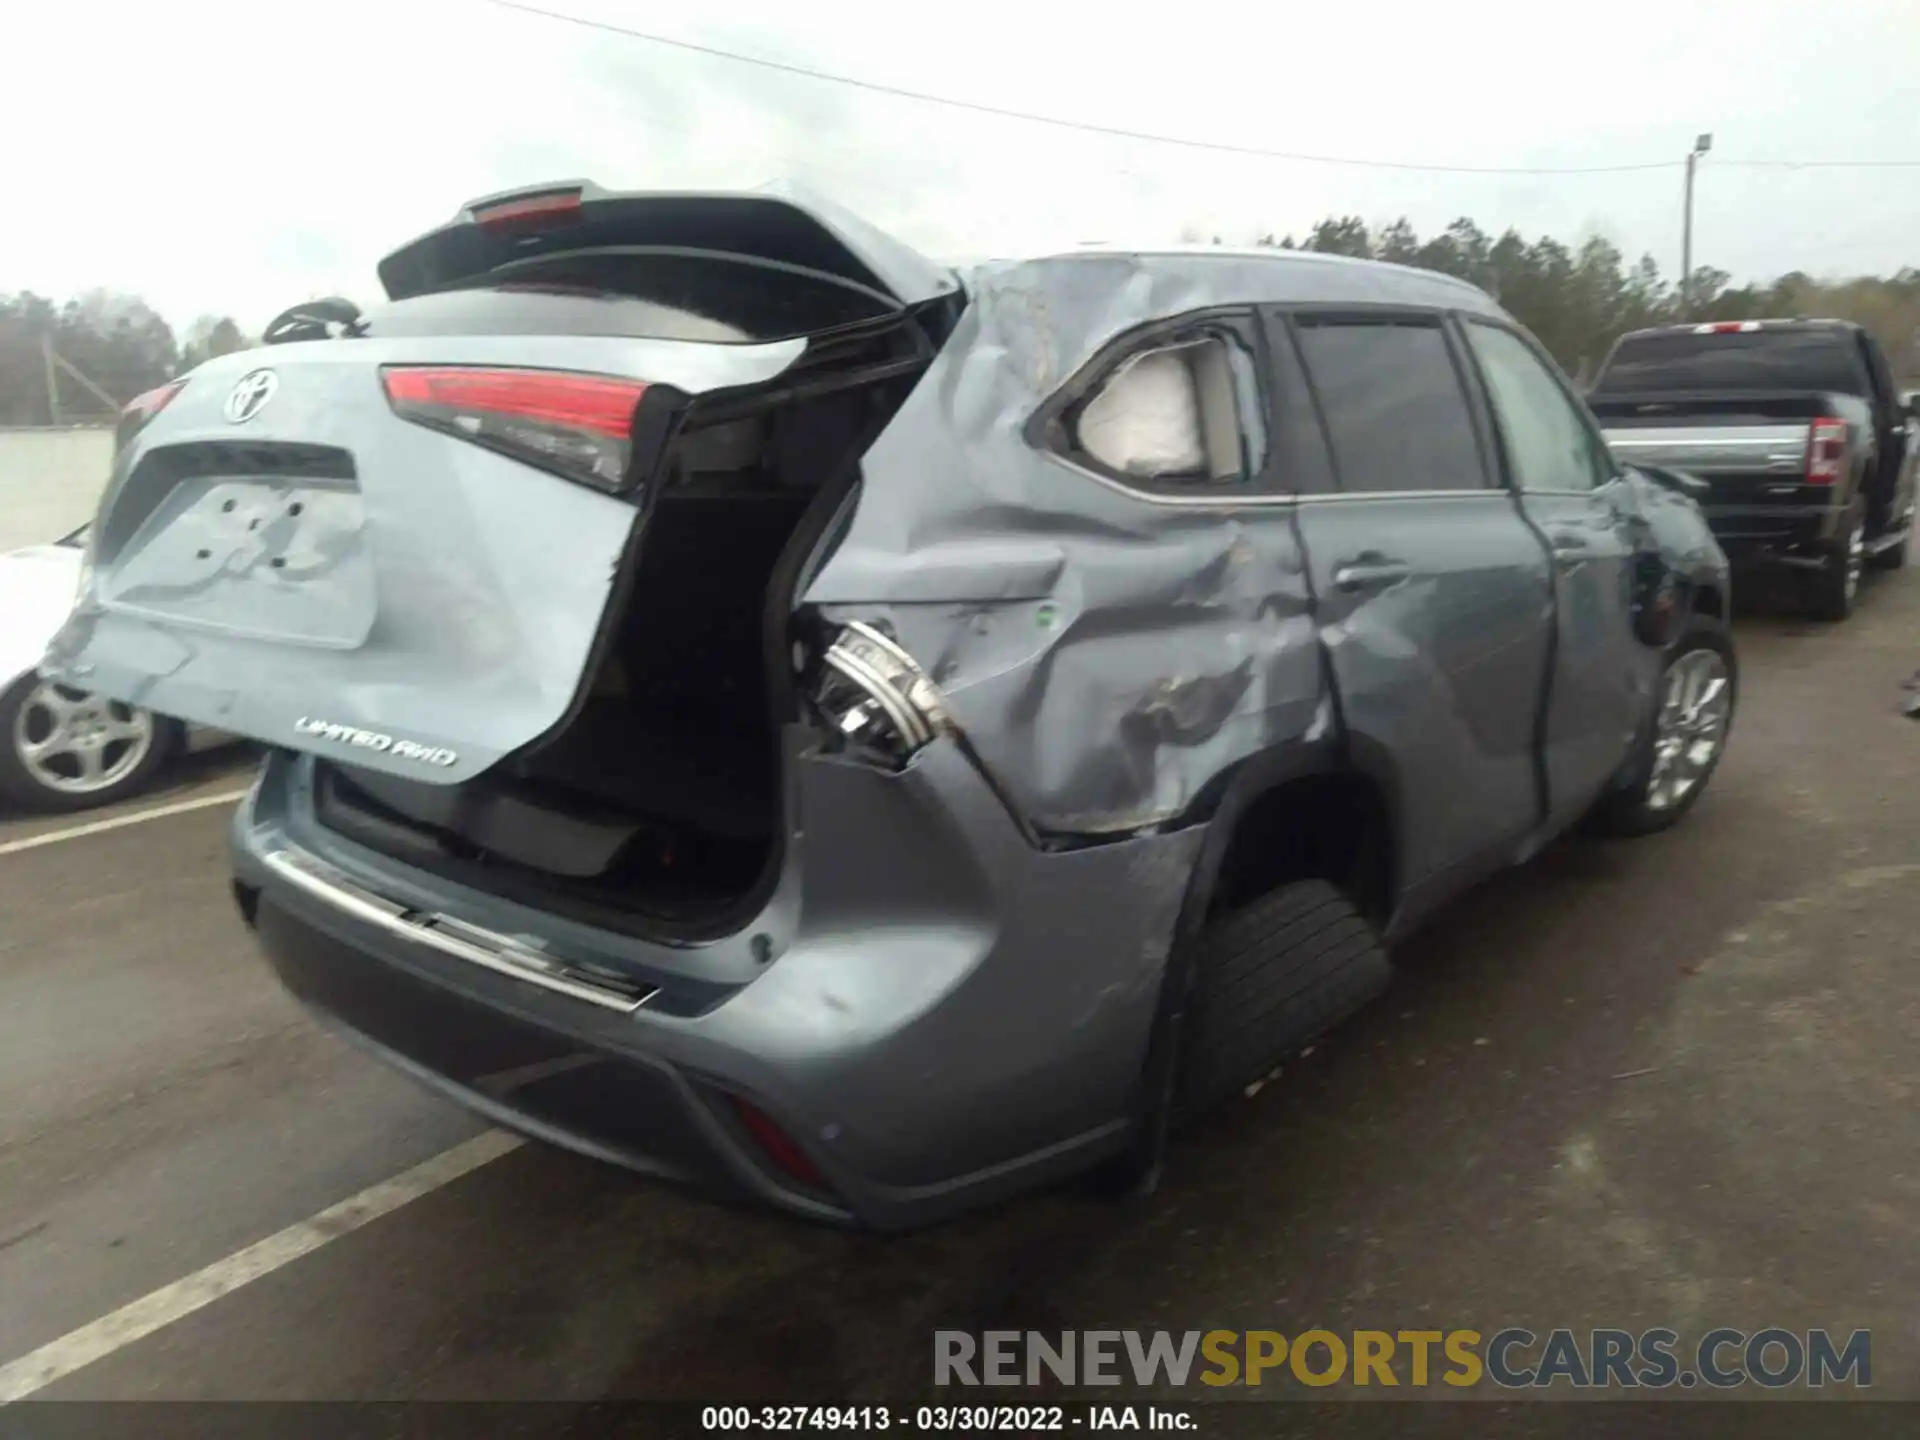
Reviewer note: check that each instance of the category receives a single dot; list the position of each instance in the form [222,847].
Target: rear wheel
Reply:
[1836,586]
[67,749]
[1698,693]
[1269,978]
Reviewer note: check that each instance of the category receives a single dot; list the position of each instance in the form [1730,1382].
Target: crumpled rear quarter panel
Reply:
[1106,653]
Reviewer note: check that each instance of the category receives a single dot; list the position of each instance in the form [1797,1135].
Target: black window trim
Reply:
[1286,317]
[1045,429]
[1614,469]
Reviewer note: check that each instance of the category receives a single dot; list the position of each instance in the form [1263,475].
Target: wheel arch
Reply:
[1240,796]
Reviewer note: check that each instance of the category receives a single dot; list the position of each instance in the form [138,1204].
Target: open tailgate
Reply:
[316,571]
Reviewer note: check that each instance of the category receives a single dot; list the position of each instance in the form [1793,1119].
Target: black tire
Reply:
[1630,810]
[1268,979]
[21,789]
[1835,587]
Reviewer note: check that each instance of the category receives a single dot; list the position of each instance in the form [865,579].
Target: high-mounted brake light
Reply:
[579,426]
[1728,327]
[1826,450]
[530,211]
[142,408]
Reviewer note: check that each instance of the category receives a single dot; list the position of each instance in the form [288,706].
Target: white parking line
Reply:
[59,1358]
[118,822]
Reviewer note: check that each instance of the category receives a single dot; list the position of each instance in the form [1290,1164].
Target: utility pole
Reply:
[1701,145]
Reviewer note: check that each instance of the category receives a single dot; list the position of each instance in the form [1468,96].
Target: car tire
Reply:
[23,786]
[1648,804]
[1836,585]
[1269,978]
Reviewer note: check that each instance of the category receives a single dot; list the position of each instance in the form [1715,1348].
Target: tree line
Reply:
[78,362]
[1575,298]
[1578,299]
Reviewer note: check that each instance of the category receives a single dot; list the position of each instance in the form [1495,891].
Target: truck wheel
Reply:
[1837,585]
[1269,978]
[1698,693]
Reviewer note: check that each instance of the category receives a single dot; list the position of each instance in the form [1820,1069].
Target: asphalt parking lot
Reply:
[1665,1082]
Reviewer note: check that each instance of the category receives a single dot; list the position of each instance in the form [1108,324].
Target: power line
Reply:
[1816,164]
[1086,127]
[1185,142]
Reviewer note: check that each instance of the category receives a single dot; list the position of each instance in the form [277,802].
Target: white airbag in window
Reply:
[1146,418]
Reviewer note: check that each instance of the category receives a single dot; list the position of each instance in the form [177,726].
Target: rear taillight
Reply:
[142,408]
[579,426]
[1826,450]
[877,698]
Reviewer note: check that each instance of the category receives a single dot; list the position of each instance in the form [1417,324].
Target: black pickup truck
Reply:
[1806,450]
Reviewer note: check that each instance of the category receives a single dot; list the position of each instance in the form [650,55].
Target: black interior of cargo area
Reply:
[539,866]
[660,799]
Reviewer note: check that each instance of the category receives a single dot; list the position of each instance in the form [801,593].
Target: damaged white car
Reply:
[63,747]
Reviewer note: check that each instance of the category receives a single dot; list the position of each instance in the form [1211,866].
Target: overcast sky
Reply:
[234,157]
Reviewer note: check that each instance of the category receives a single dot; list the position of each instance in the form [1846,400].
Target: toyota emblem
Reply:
[250,395]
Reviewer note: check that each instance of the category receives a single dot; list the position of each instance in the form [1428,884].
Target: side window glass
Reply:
[1396,412]
[1549,444]
[1182,414]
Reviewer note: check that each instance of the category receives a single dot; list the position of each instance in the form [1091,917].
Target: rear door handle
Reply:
[1358,575]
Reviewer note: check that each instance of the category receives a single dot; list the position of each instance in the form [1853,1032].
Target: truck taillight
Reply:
[577,426]
[1826,450]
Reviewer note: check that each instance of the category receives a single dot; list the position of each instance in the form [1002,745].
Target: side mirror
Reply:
[1678,481]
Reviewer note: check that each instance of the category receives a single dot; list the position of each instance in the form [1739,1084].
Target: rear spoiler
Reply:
[777,225]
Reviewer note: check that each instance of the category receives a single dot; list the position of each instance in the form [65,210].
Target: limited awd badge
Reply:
[373,740]
[250,395]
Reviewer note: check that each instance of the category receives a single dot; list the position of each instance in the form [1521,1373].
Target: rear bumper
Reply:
[954,1016]
[1787,535]
[519,1074]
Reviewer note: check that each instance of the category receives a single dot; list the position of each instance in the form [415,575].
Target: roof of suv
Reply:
[1227,275]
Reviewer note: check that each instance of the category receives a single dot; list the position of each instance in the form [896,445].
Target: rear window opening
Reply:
[1687,361]
[1167,413]
[659,804]
[1179,414]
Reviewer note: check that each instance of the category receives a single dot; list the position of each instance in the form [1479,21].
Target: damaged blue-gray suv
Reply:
[757,706]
